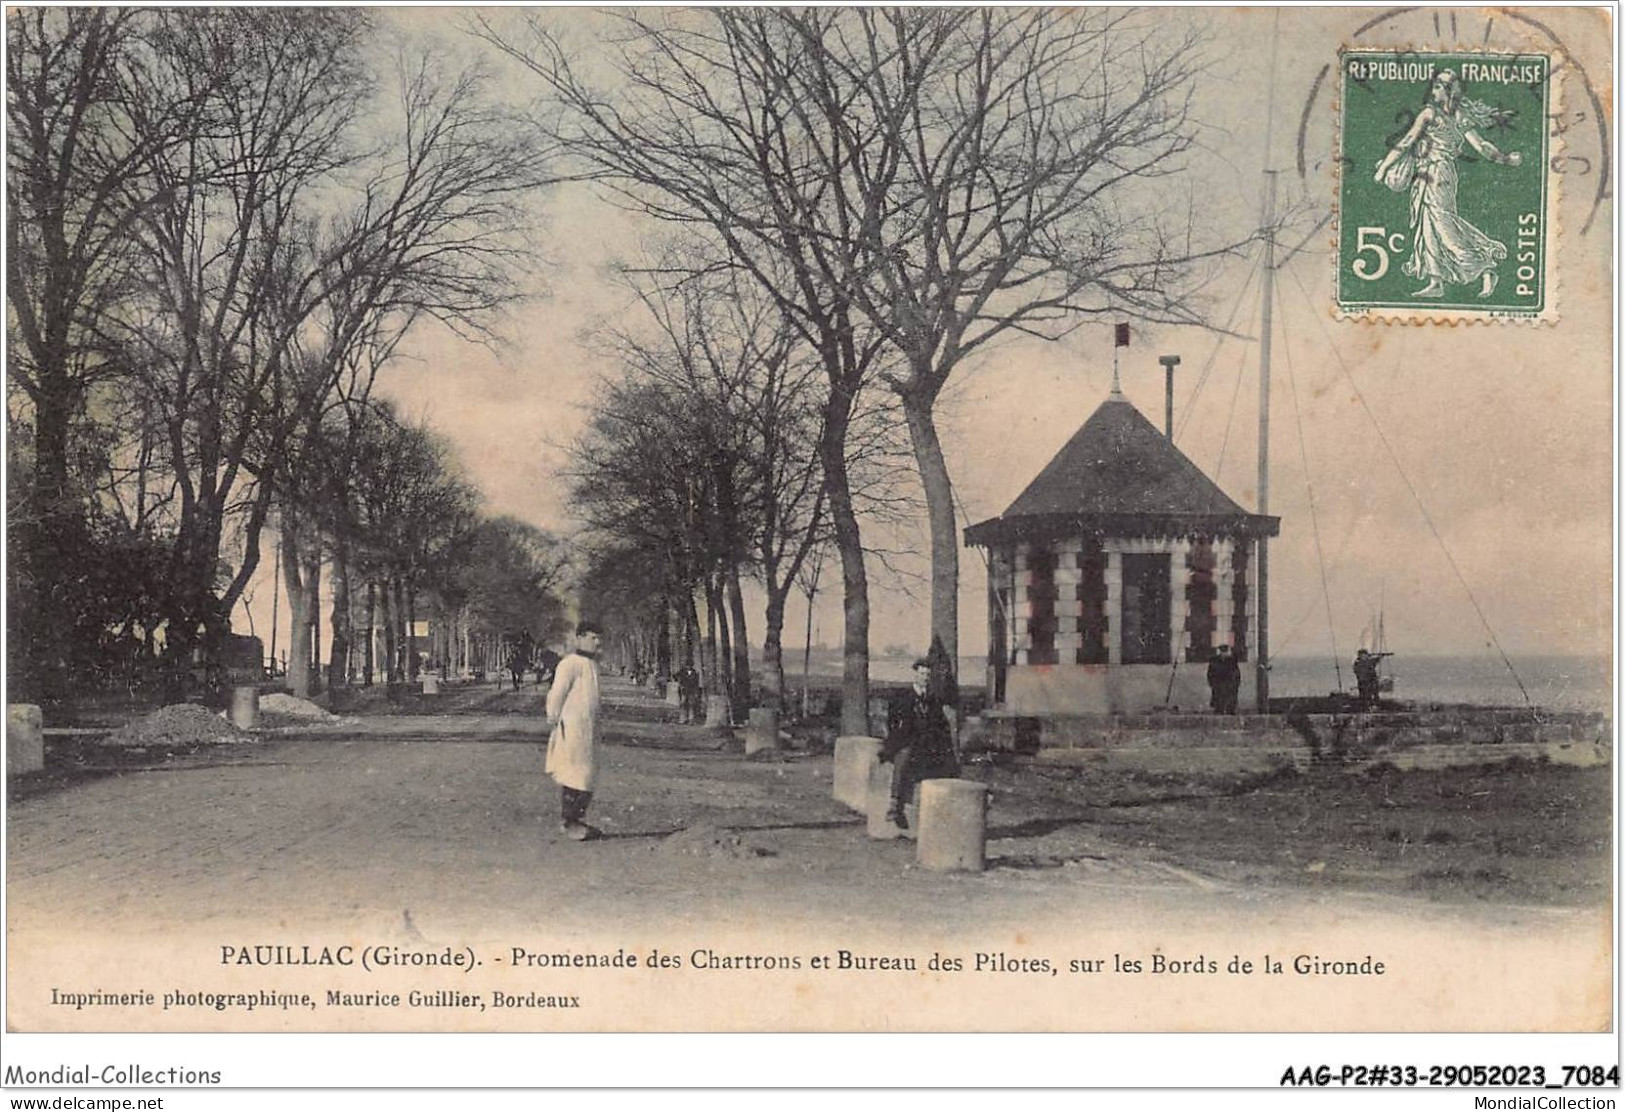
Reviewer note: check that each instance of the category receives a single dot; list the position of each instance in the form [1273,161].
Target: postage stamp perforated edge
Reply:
[1452,316]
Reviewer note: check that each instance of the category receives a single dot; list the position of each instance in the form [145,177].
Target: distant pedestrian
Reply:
[516,666]
[1223,680]
[919,741]
[572,707]
[688,694]
[547,662]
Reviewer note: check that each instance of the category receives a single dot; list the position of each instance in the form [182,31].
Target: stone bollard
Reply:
[245,707]
[879,803]
[762,734]
[431,683]
[25,739]
[953,826]
[717,710]
[854,758]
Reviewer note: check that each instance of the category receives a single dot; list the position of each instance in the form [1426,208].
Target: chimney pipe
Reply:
[1169,362]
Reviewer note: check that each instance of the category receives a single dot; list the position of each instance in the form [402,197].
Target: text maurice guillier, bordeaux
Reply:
[705,959]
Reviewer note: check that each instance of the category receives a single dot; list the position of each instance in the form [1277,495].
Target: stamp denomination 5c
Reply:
[1444,199]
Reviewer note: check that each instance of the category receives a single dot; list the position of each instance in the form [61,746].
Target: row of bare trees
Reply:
[903,187]
[702,458]
[221,224]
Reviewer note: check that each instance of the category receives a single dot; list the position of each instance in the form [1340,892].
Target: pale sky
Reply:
[1504,430]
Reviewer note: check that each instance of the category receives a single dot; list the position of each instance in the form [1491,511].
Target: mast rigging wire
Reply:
[1314,517]
[1415,495]
[1207,367]
[1230,419]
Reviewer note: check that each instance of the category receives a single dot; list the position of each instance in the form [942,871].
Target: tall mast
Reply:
[1268,325]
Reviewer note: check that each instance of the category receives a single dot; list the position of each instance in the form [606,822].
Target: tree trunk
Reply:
[386,615]
[663,643]
[338,669]
[708,648]
[724,665]
[314,582]
[692,649]
[740,687]
[45,614]
[773,650]
[854,579]
[299,607]
[402,633]
[939,505]
[411,632]
[368,663]
[276,602]
[806,655]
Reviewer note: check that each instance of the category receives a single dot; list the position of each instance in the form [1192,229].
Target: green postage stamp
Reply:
[1444,204]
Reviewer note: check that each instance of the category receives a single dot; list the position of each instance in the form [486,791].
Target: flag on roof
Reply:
[1122,335]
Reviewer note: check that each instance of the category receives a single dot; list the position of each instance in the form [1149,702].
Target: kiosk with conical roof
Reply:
[1115,576]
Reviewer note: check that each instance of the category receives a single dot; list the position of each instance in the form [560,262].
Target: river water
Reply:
[1577,683]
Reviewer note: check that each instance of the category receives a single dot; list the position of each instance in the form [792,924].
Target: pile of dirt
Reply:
[288,706]
[181,726]
[706,840]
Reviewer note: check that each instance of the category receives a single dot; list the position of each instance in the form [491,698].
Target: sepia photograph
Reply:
[832,520]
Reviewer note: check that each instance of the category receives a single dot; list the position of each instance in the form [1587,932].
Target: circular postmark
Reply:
[1580,122]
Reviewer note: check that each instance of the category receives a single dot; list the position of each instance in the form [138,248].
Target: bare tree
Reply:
[1019,154]
[409,507]
[281,251]
[754,398]
[692,129]
[77,178]
[941,177]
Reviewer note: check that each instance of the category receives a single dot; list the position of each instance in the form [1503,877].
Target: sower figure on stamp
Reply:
[572,707]
[919,741]
[1444,247]
[1223,680]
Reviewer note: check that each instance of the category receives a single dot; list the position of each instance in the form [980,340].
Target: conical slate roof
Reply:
[1119,474]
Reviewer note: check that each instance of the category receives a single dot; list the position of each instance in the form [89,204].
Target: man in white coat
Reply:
[572,707]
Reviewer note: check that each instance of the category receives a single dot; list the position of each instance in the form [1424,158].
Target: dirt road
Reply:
[434,829]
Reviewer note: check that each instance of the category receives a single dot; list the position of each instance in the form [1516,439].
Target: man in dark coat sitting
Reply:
[919,741]
[1223,680]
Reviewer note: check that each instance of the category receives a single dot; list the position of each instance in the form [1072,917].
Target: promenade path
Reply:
[435,830]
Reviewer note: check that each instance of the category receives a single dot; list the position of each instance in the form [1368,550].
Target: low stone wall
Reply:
[1430,739]
[1239,759]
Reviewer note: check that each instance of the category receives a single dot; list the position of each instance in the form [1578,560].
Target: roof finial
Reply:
[1120,341]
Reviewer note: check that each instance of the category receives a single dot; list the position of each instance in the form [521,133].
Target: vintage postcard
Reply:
[832,520]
